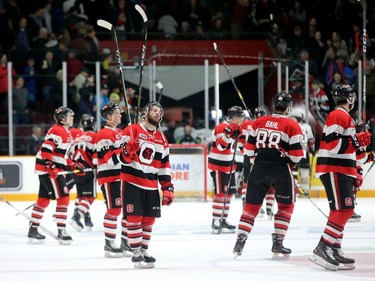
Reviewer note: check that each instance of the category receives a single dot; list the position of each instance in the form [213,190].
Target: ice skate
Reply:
[141,259]
[215,226]
[88,223]
[355,218]
[111,250]
[125,247]
[225,227]
[76,221]
[35,236]
[323,256]
[278,250]
[269,214]
[240,244]
[63,237]
[345,263]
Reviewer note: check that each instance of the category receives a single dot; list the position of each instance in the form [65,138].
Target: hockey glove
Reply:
[361,139]
[132,147]
[168,196]
[233,130]
[52,170]
[359,180]
[79,167]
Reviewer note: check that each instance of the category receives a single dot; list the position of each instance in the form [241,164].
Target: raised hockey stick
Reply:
[32,205]
[228,186]
[50,233]
[231,78]
[145,22]
[160,87]
[364,49]
[76,171]
[109,26]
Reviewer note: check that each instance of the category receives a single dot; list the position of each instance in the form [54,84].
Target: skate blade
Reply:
[321,262]
[346,266]
[127,254]
[280,256]
[65,242]
[223,230]
[112,255]
[88,228]
[236,255]
[76,226]
[144,265]
[33,241]
[354,220]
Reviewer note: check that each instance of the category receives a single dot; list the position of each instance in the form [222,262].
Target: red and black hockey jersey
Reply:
[221,151]
[55,148]
[151,165]
[246,128]
[337,152]
[108,144]
[275,139]
[83,149]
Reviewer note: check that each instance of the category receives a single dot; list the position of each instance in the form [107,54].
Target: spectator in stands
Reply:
[35,140]
[4,78]
[35,21]
[218,31]
[104,91]
[47,16]
[121,18]
[297,41]
[92,51]
[20,97]
[185,32]
[168,25]
[21,45]
[29,75]
[239,17]
[199,33]
[79,82]
[187,138]
[74,64]
[318,99]
[298,13]
[317,49]
[47,70]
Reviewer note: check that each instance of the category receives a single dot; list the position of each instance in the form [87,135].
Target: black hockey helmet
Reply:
[282,101]
[108,109]
[259,112]
[235,111]
[61,113]
[150,105]
[87,122]
[342,93]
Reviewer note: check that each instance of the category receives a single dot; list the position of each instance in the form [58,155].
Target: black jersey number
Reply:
[266,139]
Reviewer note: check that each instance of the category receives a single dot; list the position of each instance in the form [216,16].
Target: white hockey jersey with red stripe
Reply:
[221,151]
[151,165]
[337,152]
[109,144]
[55,148]
[275,139]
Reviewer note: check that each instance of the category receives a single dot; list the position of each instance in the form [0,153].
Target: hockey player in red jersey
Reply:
[220,163]
[274,146]
[145,165]
[340,151]
[82,151]
[50,160]
[108,142]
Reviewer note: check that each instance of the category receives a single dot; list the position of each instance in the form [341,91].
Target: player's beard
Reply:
[152,121]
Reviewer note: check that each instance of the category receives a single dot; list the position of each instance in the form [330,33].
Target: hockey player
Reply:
[82,151]
[145,165]
[50,160]
[220,163]
[275,140]
[308,146]
[108,142]
[341,148]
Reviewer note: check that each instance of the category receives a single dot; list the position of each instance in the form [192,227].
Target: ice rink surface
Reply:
[184,247]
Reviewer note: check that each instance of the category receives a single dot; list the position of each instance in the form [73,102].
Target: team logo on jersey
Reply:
[118,201]
[348,201]
[129,208]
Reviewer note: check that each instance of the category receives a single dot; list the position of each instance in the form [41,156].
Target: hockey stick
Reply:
[369,169]
[160,87]
[364,48]
[228,186]
[308,197]
[29,218]
[76,171]
[32,205]
[109,26]
[145,21]
[231,78]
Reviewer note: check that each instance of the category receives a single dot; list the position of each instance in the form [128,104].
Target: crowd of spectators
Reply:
[38,37]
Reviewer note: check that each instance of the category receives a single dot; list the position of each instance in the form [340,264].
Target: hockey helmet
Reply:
[87,122]
[343,93]
[259,112]
[235,111]
[108,109]
[282,101]
[61,113]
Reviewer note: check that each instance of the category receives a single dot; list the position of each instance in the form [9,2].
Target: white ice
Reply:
[184,247]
